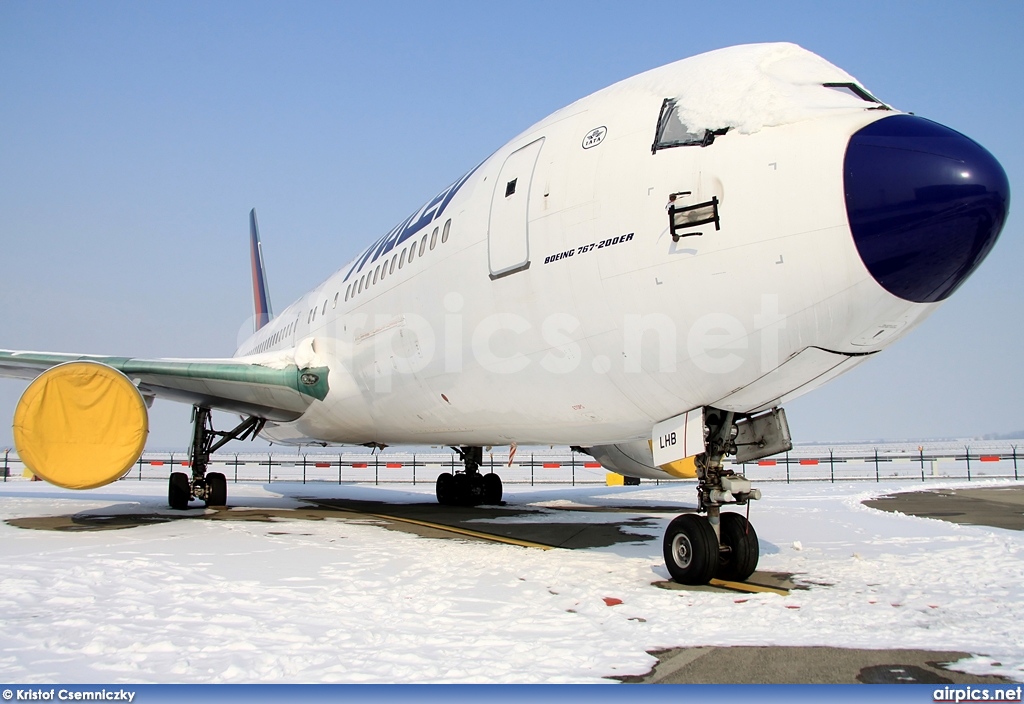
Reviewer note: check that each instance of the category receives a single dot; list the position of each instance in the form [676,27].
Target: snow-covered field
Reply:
[348,601]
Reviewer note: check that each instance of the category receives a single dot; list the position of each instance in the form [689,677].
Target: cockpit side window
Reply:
[671,131]
[856,91]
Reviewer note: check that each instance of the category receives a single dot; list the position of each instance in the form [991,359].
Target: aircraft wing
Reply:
[281,392]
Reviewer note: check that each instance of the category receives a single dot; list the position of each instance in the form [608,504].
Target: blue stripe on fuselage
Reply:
[409,227]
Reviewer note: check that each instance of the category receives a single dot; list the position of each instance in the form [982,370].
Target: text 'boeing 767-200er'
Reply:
[646,275]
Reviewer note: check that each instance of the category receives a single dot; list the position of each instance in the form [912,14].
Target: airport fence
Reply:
[878,466]
[851,463]
[358,468]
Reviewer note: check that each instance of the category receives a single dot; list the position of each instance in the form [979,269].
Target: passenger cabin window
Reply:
[401,258]
[671,132]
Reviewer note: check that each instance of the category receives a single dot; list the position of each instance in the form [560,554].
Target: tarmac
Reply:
[997,507]
[806,665]
[1001,507]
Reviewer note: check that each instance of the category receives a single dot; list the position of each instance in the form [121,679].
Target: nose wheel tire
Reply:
[690,549]
[738,558]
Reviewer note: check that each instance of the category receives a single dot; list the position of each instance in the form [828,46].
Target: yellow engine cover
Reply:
[80,425]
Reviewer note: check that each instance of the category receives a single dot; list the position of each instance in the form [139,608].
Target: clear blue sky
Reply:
[135,136]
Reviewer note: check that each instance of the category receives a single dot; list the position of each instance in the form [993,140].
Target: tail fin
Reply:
[262,312]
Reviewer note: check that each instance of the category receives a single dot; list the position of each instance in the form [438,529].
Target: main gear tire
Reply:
[492,489]
[444,489]
[179,491]
[462,490]
[216,489]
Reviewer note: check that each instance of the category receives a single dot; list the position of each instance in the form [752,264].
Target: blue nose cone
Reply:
[925,205]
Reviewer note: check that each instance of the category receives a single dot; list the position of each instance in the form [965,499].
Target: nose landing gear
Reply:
[698,548]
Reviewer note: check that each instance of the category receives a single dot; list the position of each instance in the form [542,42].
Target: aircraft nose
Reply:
[925,205]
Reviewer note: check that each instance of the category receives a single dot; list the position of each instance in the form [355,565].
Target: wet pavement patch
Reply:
[517,523]
[760,582]
[87,522]
[117,518]
[531,525]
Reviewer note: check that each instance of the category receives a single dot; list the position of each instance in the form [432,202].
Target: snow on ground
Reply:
[348,601]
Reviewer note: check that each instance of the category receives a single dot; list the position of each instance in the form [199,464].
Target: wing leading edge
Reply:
[277,394]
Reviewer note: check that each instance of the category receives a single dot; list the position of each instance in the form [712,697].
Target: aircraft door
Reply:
[508,237]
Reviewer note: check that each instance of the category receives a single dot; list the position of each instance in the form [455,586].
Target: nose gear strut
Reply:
[698,548]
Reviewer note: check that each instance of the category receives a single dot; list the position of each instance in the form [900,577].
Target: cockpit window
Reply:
[858,92]
[852,89]
[672,132]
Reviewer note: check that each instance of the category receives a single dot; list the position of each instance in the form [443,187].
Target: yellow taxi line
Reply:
[460,531]
[744,587]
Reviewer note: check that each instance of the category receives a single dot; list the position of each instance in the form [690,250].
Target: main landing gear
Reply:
[209,487]
[719,545]
[468,487]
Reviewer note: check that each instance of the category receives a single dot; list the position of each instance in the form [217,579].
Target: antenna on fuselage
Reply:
[262,311]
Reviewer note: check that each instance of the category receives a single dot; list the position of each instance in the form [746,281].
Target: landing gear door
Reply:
[508,240]
[763,435]
[678,438]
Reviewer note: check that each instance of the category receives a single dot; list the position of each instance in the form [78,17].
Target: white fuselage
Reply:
[563,312]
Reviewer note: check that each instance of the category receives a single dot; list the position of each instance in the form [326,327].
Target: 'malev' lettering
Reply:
[410,226]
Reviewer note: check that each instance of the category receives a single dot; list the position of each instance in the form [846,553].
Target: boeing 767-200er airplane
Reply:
[646,275]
